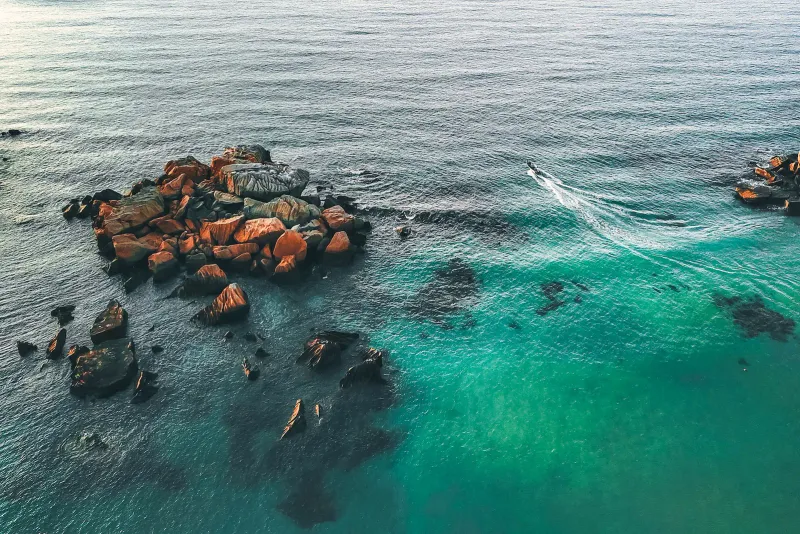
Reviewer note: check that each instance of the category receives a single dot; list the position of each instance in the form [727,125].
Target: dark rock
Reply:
[324,350]
[63,314]
[116,266]
[297,421]
[56,346]
[133,212]
[228,335]
[135,279]
[552,289]
[74,352]
[552,305]
[578,299]
[452,288]
[107,195]
[249,336]
[403,231]
[208,280]
[109,367]
[14,132]
[145,387]
[195,261]
[24,348]
[250,371]
[112,323]
[580,286]
[230,305]
[156,349]
[754,318]
[261,353]
[742,361]
[264,181]
[70,210]
[674,288]
[368,371]
[514,325]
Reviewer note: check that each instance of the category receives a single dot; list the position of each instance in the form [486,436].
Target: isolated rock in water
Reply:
[24,348]
[188,166]
[107,195]
[250,371]
[290,210]
[63,314]
[92,441]
[56,345]
[368,371]
[339,251]
[220,232]
[261,231]
[71,210]
[291,243]
[163,265]
[145,387]
[112,323]
[754,318]
[297,421]
[229,252]
[230,305]
[109,367]
[131,249]
[264,181]
[338,219]
[208,280]
[324,350]
[134,211]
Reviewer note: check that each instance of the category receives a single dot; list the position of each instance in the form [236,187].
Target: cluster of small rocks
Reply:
[779,185]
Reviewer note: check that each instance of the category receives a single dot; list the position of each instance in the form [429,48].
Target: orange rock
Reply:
[764,173]
[193,169]
[169,245]
[133,212]
[182,206]
[231,251]
[291,243]
[191,225]
[217,162]
[170,226]
[287,265]
[261,231]
[187,244]
[338,219]
[162,265]
[339,244]
[132,250]
[154,240]
[230,305]
[104,209]
[172,188]
[266,253]
[297,421]
[208,280]
[188,189]
[242,262]
[220,232]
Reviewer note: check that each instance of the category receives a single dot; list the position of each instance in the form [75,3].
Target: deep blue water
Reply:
[626,412]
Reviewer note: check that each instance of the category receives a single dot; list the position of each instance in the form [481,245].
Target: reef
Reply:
[774,184]
[753,317]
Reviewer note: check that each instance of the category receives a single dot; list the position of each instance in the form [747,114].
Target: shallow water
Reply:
[624,412]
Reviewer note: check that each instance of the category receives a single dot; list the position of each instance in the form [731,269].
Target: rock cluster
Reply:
[777,184]
[241,214]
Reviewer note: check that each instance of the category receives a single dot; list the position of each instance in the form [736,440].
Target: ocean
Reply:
[561,355]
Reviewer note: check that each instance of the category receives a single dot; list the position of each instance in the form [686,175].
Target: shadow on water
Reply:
[452,289]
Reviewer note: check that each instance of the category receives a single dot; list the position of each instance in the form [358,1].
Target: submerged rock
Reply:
[109,367]
[24,348]
[338,219]
[753,317]
[250,371]
[63,314]
[452,288]
[297,421]
[230,305]
[368,371]
[112,323]
[56,346]
[264,181]
[324,350]
[308,503]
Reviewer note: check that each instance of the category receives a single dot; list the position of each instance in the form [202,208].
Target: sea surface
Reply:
[624,410]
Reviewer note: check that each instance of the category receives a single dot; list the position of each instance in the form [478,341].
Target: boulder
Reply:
[227,202]
[208,280]
[173,189]
[324,350]
[131,249]
[290,210]
[183,205]
[231,251]
[187,243]
[24,348]
[241,263]
[169,245]
[230,305]
[134,211]
[338,219]
[195,261]
[107,368]
[107,195]
[145,387]
[163,265]
[263,181]
[368,371]
[188,166]
[287,265]
[168,225]
[339,251]
[291,243]
[63,314]
[297,421]
[250,371]
[56,346]
[239,154]
[112,323]
[71,210]
[261,231]
[220,232]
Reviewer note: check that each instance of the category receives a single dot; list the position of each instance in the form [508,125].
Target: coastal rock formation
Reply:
[239,154]
[188,167]
[777,183]
[368,371]
[263,181]
[56,346]
[74,352]
[131,249]
[290,210]
[107,368]
[290,243]
[324,350]
[145,387]
[230,252]
[452,289]
[753,317]
[230,305]
[163,265]
[220,232]
[133,212]
[297,421]
[338,219]
[112,323]
[339,251]
[250,371]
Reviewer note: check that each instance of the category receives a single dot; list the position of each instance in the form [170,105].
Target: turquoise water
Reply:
[626,412]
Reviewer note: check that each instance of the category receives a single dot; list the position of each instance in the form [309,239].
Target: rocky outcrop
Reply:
[290,210]
[324,350]
[230,305]
[291,243]
[264,181]
[74,352]
[24,348]
[63,314]
[339,251]
[239,154]
[338,219]
[188,167]
[107,368]
[208,280]
[133,212]
[230,252]
[774,184]
[262,231]
[163,265]
[56,346]
[112,323]
[366,372]
[250,371]
[220,232]
[145,387]
[297,421]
